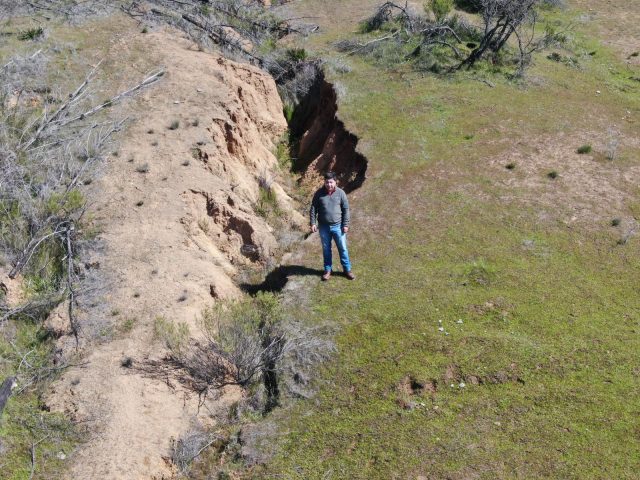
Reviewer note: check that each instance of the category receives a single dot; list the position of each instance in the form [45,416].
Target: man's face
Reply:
[330,184]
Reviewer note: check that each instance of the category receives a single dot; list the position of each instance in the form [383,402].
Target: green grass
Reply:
[25,420]
[549,313]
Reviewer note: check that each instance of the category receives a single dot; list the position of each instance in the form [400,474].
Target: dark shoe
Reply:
[326,275]
[350,275]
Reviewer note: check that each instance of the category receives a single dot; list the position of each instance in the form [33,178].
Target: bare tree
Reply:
[501,19]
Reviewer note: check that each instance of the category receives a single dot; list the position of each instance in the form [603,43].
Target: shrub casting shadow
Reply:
[278,278]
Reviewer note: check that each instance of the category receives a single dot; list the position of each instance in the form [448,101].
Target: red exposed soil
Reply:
[324,143]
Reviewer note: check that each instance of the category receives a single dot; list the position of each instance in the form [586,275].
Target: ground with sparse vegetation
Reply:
[492,330]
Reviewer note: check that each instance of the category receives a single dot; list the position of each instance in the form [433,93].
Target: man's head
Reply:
[330,181]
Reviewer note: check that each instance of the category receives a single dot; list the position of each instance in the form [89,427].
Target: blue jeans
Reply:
[328,232]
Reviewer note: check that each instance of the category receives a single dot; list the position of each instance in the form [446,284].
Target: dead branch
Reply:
[33,309]
[46,121]
[371,42]
[31,248]
[33,455]
[5,391]
[145,83]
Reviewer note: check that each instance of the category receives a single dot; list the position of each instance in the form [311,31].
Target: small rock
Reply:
[460,321]
[462,385]
[176,102]
[61,456]
[597,92]
[441,329]
[199,90]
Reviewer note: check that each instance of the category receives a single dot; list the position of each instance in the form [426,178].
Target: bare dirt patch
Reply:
[584,188]
[617,23]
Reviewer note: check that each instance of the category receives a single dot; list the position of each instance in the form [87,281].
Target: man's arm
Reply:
[346,214]
[313,213]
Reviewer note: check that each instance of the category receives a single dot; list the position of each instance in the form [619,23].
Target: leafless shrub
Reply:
[187,448]
[613,142]
[237,27]
[48,149]
[337,65]
[450,42]
[310,346]
[295,79]
[245,343]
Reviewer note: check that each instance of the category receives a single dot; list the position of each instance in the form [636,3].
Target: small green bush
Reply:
[552,174]
[478,273]
[283,154]
[584,149]
[174,125]
[510,166]
[296,54]
[267,203]
[59,203]
[174,335]
[615,222]
[439,8]
[31,34]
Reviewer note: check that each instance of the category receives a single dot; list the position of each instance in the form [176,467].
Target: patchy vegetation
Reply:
[486,336]
[251,344]
[53,137]
[441,41]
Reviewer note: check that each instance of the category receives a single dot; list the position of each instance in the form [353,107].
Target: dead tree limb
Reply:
[145,83]
[45,122]
[5,391]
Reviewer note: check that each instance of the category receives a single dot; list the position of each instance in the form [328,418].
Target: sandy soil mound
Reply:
[176,211]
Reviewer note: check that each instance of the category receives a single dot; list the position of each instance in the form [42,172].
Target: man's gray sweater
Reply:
[330,209]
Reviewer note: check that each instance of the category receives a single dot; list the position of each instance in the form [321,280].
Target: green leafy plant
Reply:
[439,8]
[31,34]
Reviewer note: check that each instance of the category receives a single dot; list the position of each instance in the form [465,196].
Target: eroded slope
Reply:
[177,219]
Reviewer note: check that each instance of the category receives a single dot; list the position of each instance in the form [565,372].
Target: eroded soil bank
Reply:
[178,211]
[177,220]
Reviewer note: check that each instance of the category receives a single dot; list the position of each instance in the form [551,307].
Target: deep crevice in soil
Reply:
[320,143]
[320,140]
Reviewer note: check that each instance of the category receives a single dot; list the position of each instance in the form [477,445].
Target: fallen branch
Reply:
[371,42]
[5,391]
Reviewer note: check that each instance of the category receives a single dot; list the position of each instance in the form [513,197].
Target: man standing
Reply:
[329,214]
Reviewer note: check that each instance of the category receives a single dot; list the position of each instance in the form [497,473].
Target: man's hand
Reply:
[314,229]
[345,229]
